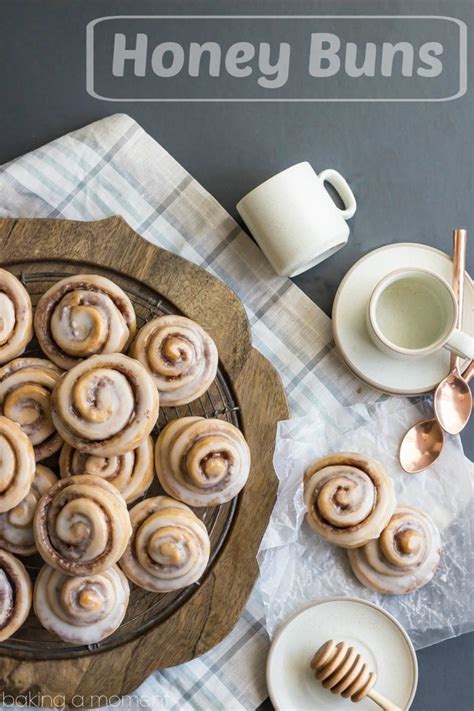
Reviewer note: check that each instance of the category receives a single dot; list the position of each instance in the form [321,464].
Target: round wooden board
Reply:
[211,612]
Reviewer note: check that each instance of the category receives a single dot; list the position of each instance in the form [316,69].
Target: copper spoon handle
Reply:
[469,372]
[459,265]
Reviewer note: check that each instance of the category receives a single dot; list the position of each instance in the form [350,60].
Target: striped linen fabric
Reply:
[114,167]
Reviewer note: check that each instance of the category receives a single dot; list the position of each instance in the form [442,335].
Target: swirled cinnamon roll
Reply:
[82,610]
[181,357]
[16,525]
[203,462]
[15,594]
[16,317]
[169,547]
[106,405]
[17,464]
[81,316]
[405,556]
[131,473]
[26,385]
[81,525]
[349,498]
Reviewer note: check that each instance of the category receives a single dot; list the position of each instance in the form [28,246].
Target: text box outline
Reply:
[90,57]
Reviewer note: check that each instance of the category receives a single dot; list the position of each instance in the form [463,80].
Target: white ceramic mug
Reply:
[412,313]
[294,219]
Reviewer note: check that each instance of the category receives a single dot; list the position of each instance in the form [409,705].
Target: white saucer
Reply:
[379,637]
[387,374]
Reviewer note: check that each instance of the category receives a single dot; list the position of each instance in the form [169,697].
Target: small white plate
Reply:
[396,377]
[383,642]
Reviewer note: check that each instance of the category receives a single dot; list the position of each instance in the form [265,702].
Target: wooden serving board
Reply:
[209,614]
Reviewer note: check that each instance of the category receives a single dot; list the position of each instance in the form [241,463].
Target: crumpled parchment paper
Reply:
[297,566]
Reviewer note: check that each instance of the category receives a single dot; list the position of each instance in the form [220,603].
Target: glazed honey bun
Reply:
[81,525]
[26,385]
[181,357]
[349,498]
[203,462]
[81,610]
[16,525]
[405,556]
[169,547]
[106,405]
[17,464]
[81,316]
[15,594]
[16,317]
[343,670]
[131,473]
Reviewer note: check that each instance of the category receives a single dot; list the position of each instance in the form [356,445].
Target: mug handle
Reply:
[461,343]
[342,188]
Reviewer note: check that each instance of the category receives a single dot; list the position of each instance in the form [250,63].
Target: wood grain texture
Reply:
[209,615]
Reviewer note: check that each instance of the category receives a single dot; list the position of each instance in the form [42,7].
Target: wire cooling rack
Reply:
[145,609]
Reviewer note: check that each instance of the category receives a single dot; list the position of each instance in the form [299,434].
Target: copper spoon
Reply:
[453,397]
[424,442]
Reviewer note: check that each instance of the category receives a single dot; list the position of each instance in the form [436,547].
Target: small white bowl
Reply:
[382,641]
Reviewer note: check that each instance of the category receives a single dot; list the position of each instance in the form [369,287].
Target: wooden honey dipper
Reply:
[343,670]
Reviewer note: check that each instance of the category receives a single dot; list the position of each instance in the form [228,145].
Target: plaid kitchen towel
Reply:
[114,167]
